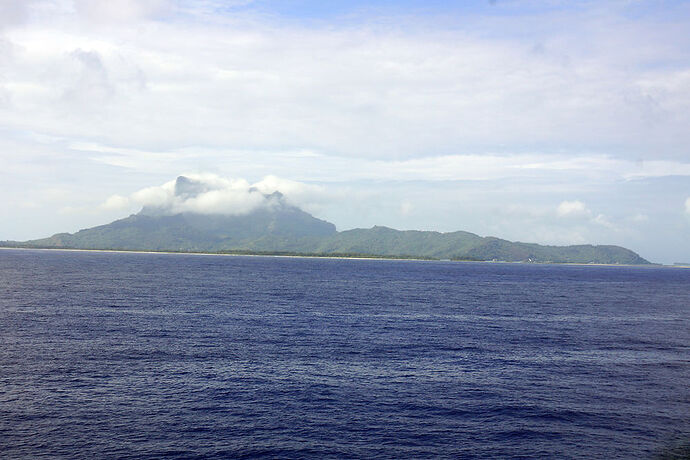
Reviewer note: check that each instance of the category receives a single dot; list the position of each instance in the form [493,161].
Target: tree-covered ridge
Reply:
[285,229]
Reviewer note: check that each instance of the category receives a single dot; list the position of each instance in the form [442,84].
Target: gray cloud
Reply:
[120,11]
[90,86]
[370,92]
[13,12]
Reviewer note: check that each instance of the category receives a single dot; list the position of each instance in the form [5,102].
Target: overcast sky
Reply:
[555,122]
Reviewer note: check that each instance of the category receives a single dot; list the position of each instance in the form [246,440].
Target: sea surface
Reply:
[126,355]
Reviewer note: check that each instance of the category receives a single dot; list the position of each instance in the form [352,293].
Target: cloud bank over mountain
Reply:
[212,194]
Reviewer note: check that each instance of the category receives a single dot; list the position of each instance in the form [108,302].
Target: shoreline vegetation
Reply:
[4,245]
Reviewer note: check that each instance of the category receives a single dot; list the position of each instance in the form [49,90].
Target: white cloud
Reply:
[297,192]
[406,208]
[604,221]
[578,210]
[572,209]
[320,167]
[212,194]
[224,201]
[116,203]
[687,205]
[158,196]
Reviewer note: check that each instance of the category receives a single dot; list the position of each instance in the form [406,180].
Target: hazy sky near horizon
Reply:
[551,121]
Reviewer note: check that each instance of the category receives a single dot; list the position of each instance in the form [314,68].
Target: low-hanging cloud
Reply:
[212,194]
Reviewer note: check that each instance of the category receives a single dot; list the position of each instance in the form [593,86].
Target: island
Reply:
[280,228]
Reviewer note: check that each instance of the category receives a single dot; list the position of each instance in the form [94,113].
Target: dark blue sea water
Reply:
[107,355]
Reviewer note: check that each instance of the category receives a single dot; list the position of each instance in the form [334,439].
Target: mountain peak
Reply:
[189,188]
[211,196]
[275,196]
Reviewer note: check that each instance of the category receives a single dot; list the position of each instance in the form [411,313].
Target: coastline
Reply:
[235,254]
[336,256]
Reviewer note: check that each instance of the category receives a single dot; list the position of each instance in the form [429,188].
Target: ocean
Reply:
[129,355]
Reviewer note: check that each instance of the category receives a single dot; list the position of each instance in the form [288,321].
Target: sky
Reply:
[555,122]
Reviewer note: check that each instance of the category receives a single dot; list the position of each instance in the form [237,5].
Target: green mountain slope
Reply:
[264,229]
[468,246]
[387,241]
[287,229]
